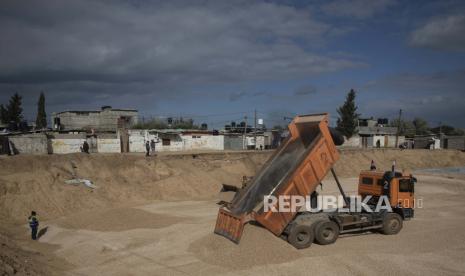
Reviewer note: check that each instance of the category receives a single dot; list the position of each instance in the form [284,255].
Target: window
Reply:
[367,180]
[166,142]
[405,185]
[380,182]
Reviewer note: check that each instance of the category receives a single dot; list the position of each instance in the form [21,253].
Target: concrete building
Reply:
[426,142]
[373,133]
[453,142]
[106,119]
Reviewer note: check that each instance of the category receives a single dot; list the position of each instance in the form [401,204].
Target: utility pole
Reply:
[398,128]
[244,140]
[255,129]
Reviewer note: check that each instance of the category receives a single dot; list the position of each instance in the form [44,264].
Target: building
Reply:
[107,119]
[375,133]
[453,142]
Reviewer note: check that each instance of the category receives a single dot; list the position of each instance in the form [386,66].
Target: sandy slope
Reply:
[37,182]
[156,216]
[177,239]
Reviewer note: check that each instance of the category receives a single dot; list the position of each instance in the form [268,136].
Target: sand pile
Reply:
[37,182]
[257,247]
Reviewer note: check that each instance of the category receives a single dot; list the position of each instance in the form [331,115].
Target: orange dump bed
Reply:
[296,168]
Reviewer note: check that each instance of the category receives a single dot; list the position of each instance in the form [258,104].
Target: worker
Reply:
[152,146]
[85,147]
[147,148]
[372,166]
[34,224]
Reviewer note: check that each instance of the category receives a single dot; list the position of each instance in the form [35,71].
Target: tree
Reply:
[3,114]
[406,127]
[14,109]
[421,126]
[448,130]
[41,120]
[151,124]
[348,116]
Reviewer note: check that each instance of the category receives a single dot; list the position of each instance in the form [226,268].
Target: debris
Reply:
[77,181]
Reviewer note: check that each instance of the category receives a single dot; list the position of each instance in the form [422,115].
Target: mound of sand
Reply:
[257,247]
[37,182]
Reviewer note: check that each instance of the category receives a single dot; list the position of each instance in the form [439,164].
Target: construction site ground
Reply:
[156,215]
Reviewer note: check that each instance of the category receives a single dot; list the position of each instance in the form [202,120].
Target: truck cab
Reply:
[398,187]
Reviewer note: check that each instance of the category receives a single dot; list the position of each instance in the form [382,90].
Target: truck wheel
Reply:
[392,224]
[326,232]
[301,236]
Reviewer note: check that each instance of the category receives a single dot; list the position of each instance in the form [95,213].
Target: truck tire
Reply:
[301,236]
[326,232]
[392,224]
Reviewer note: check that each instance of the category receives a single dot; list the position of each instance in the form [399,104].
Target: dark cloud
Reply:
[359,9]
[437,97]
[441,33]
[121,42]
[305,90]
[97,52]
[234,96]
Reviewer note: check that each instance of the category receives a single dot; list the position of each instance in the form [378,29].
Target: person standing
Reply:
[34,224]
[147,148]
[85,147]
[372,166]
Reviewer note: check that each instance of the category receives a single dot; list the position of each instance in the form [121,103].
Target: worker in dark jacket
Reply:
[147,148]
[34,224]
[85,147]
[372,166]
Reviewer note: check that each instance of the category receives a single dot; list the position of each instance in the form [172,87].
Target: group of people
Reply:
[150,148]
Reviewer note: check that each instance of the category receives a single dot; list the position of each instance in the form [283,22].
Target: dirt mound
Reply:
[16,261]
[257,247]
[37,182]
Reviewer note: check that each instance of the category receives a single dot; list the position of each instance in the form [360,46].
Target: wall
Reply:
[107,145]
[454,142]
[67,143]
[29,144]
[233,143]
[138,137]
[353,142]
[251,142]
[386,141]
[197,142]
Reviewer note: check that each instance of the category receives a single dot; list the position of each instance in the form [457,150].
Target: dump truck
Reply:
[296,168]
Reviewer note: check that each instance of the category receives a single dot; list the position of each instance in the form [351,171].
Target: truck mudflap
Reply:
[229,225]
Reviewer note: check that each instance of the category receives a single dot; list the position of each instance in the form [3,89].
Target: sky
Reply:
[218,61]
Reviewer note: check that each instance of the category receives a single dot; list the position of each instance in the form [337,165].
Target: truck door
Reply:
[405,192]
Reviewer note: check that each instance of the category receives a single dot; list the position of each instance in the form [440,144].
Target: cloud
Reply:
[441,33]
[169,43]
[305,90]
[359,9]
[235,96]
[435,97]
